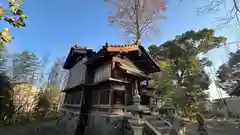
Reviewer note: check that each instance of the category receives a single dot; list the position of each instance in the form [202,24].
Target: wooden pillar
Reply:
[110,100]
[98,97]
[125,100]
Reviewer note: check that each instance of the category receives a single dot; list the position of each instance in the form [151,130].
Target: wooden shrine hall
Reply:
[106,81]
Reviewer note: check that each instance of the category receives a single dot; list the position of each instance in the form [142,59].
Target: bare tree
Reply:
[23,98]
[137,17]
[232,14]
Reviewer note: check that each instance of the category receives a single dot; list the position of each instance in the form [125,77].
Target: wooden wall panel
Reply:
[118,74]
[77,74]
[102,73]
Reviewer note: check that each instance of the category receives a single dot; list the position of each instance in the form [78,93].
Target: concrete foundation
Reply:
[68,122]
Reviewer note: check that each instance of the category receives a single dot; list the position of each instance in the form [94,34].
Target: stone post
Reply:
[137,125]
[136,121]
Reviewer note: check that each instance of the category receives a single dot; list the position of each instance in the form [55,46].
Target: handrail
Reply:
[169,125]
[119,125]
[152,128]
[166,122]
[120,128]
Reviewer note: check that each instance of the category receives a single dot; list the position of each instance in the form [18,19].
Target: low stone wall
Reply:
[99,123]
[68,121]
[233,105]
[103,124]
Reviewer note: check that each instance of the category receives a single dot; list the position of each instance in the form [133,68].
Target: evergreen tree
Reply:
[24,66]
[183,70]
[228,74]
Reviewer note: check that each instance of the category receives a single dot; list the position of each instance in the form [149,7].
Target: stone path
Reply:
[214,128]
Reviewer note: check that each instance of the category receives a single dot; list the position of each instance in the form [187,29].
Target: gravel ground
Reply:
[33,128]
[215,128]
[49,128]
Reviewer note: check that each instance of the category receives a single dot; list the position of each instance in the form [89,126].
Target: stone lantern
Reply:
[137,110]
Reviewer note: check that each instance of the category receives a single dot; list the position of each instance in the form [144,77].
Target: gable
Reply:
[76,54]
[136,53]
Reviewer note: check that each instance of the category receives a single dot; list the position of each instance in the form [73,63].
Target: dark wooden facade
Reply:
[105,81]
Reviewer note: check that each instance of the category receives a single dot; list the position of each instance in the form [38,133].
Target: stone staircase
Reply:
[158,125]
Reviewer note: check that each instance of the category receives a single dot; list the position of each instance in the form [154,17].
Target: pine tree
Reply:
[24,65]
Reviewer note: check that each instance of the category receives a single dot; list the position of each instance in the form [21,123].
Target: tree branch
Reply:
[236,5]
[130,16]
[150,21]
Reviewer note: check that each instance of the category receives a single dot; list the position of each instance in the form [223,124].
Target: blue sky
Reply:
[55,25]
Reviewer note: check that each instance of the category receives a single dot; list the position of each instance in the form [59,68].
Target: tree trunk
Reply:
[138,34]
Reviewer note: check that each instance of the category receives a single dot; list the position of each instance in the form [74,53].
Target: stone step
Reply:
[158,122]
[162,128]
[160,125]
[152,118]
[165,131]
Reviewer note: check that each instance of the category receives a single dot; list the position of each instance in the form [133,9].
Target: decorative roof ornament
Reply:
[106,44]
[76,45]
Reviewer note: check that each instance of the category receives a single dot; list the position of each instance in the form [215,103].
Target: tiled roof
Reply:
[124,62]
[134,48]
[121,48]
[129,67]
[135,51]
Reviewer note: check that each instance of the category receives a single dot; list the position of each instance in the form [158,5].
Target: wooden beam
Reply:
[104,106]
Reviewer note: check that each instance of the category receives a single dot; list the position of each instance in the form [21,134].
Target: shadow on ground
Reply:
[33,128]
[50,128]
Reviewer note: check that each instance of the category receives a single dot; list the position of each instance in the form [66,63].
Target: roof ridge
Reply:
[77,46]
[119,45]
